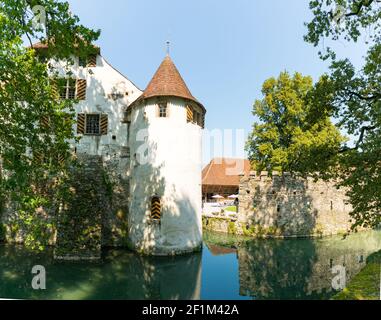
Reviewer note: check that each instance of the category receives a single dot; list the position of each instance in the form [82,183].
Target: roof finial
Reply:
[168,47]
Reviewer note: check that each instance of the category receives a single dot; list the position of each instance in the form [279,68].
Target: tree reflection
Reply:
[120,275]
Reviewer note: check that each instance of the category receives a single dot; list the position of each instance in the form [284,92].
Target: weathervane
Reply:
[168,46]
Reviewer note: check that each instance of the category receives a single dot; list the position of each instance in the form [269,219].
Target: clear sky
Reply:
[224,49]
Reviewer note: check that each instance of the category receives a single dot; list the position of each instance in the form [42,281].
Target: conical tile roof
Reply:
[167,81]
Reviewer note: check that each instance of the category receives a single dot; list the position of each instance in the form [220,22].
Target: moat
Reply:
[227,268]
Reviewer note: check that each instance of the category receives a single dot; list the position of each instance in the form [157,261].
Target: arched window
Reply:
[155,208]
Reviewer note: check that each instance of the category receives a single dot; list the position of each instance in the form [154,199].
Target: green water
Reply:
[227,268]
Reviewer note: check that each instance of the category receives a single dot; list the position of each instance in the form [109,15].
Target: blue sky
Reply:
[224,49]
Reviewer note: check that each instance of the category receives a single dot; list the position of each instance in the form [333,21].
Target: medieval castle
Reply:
[149,143]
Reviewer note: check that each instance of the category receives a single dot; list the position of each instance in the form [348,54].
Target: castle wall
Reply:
[165,162]
[101,193]
[291,206]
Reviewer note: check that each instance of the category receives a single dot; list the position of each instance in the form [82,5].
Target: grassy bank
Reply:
[366,284]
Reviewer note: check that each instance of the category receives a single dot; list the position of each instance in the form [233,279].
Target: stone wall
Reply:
[99,204]
[79,225]
[284,205]
[115,220]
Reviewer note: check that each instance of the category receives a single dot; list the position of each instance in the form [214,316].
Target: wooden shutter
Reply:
[61,159]
[55,90]
[38,157]
[104,124]
[155,208]
[45,122]
[189,114]
[158,110]
[92,62]
[81,89]
[81,123]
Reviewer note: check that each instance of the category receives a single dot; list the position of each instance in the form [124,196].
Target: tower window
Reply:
[163,110]
[155,208]
[195,117]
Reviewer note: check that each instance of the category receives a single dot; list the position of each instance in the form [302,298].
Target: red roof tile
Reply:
[167,81]
[225,171]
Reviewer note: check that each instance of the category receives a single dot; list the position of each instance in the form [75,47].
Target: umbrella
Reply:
[233,196]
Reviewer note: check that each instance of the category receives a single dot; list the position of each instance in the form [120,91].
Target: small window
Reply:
[155,208]
[163,110]
[82,62]
[195,117]
[67,88]
[87,61]
[93,124]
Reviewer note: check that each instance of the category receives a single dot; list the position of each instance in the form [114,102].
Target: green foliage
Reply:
[34,156]
[232,228]
[2,232]
[231,209]
[343,19]
[289,136]
[353,98]
[250,231]
[366,284]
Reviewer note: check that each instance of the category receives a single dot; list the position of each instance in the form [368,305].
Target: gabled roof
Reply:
[168,82]
[225,171]
[44,45]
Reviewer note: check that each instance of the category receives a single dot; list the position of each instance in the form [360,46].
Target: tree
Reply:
[354,100]
[289,137]
[35,125]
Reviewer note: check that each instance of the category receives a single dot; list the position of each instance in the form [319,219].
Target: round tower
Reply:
[165,139]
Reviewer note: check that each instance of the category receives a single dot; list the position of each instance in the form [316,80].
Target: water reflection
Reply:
[120,275]
[298,268]
[228,268]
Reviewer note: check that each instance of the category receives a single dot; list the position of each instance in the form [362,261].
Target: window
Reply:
[195,116]
[93,124]
[67,88]
[82,62]
[163,112]
[155,208]
[87,61]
